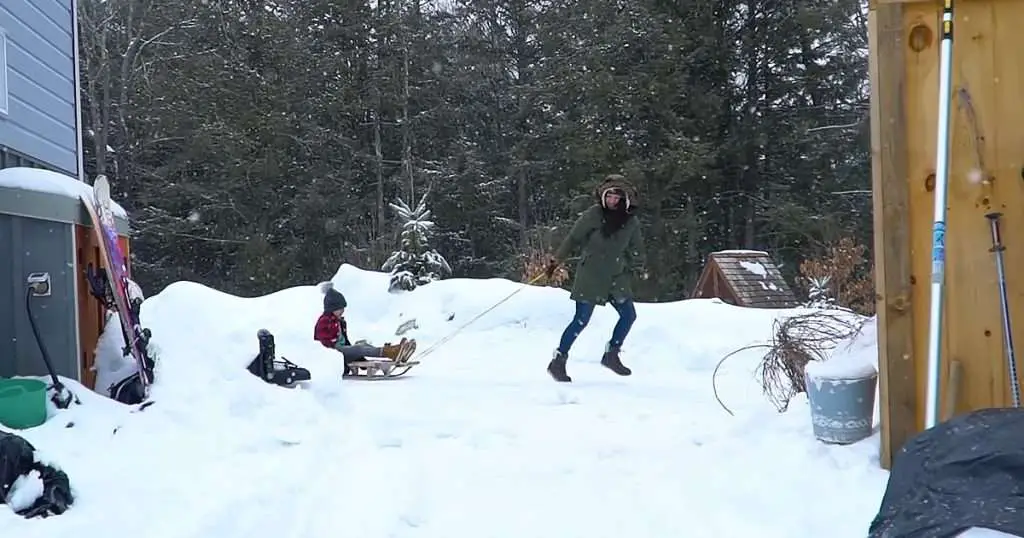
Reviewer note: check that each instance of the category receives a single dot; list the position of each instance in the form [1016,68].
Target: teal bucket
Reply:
[22,403]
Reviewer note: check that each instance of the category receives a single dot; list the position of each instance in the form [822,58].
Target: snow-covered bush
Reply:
[415,263]
[840,277]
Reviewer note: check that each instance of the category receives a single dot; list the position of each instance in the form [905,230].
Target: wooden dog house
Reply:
[744,278]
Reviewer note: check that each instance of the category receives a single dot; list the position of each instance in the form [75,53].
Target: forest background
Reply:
[259,144]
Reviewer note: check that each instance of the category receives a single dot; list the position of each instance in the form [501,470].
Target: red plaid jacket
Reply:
[329,329]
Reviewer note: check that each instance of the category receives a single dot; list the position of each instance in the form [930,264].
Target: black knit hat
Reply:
[333,299]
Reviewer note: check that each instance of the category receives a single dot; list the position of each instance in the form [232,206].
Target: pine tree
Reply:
[415,263]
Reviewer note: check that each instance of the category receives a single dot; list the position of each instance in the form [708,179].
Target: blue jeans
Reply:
[627,315]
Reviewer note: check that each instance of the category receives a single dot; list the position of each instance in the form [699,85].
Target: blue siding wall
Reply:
[41,82]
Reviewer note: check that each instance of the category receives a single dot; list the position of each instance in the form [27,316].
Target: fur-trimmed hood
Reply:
[617,181]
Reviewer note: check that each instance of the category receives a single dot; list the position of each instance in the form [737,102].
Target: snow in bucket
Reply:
[842,389]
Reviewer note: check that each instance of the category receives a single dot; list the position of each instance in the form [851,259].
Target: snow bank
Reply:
[204,339]
[693,334]
[416,457]
[111,365]
[37,180]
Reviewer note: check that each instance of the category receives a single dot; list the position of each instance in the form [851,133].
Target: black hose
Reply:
[58,399]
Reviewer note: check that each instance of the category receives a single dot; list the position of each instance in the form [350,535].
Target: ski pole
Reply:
[939,224]
[1011,359]
[440,342]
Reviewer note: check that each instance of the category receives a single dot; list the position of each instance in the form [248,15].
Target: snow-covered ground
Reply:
[477,441]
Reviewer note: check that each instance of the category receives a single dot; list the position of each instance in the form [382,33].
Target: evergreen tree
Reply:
[415,263]
[742,124]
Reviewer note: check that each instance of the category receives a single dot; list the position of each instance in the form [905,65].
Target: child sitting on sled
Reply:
[332,331]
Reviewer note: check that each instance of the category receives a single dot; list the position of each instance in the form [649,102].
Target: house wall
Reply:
[38,72]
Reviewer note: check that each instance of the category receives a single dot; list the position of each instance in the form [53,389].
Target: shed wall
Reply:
[35,245]
[987,134]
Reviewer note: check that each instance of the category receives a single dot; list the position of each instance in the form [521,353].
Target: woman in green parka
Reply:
[611,254]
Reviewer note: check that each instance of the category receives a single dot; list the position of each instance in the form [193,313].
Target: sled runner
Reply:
[374,369]
[382,368]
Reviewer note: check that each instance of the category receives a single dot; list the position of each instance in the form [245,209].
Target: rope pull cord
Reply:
[454,333]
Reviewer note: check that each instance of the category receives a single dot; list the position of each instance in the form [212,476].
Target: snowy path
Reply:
[607,457]
[471,450]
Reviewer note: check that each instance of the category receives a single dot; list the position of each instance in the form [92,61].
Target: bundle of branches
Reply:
[535,262]
[796,341]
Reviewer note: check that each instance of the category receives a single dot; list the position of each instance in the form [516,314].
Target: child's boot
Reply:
[393,351]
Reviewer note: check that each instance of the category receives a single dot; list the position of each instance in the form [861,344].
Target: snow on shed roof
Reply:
[39,180]
[752,277]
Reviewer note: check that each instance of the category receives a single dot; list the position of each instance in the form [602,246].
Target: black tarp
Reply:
[17,458]
[963,473]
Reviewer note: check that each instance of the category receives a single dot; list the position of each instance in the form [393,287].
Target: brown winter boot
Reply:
[393,351]
[407,351]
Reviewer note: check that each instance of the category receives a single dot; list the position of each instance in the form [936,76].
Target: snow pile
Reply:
[476,440]
[856,358]
[111,365]
[24,491]
[38,180]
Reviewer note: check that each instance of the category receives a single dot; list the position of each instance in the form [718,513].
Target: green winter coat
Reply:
[606,266]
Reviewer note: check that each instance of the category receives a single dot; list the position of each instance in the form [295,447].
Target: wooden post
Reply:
[952,390]
[897,390]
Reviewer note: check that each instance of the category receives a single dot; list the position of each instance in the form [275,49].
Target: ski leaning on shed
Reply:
[608,238]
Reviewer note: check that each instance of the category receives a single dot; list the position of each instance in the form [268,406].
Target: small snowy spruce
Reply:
[819,294]
[415,263]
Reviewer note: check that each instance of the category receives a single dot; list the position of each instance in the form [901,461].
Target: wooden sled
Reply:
[379,369]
